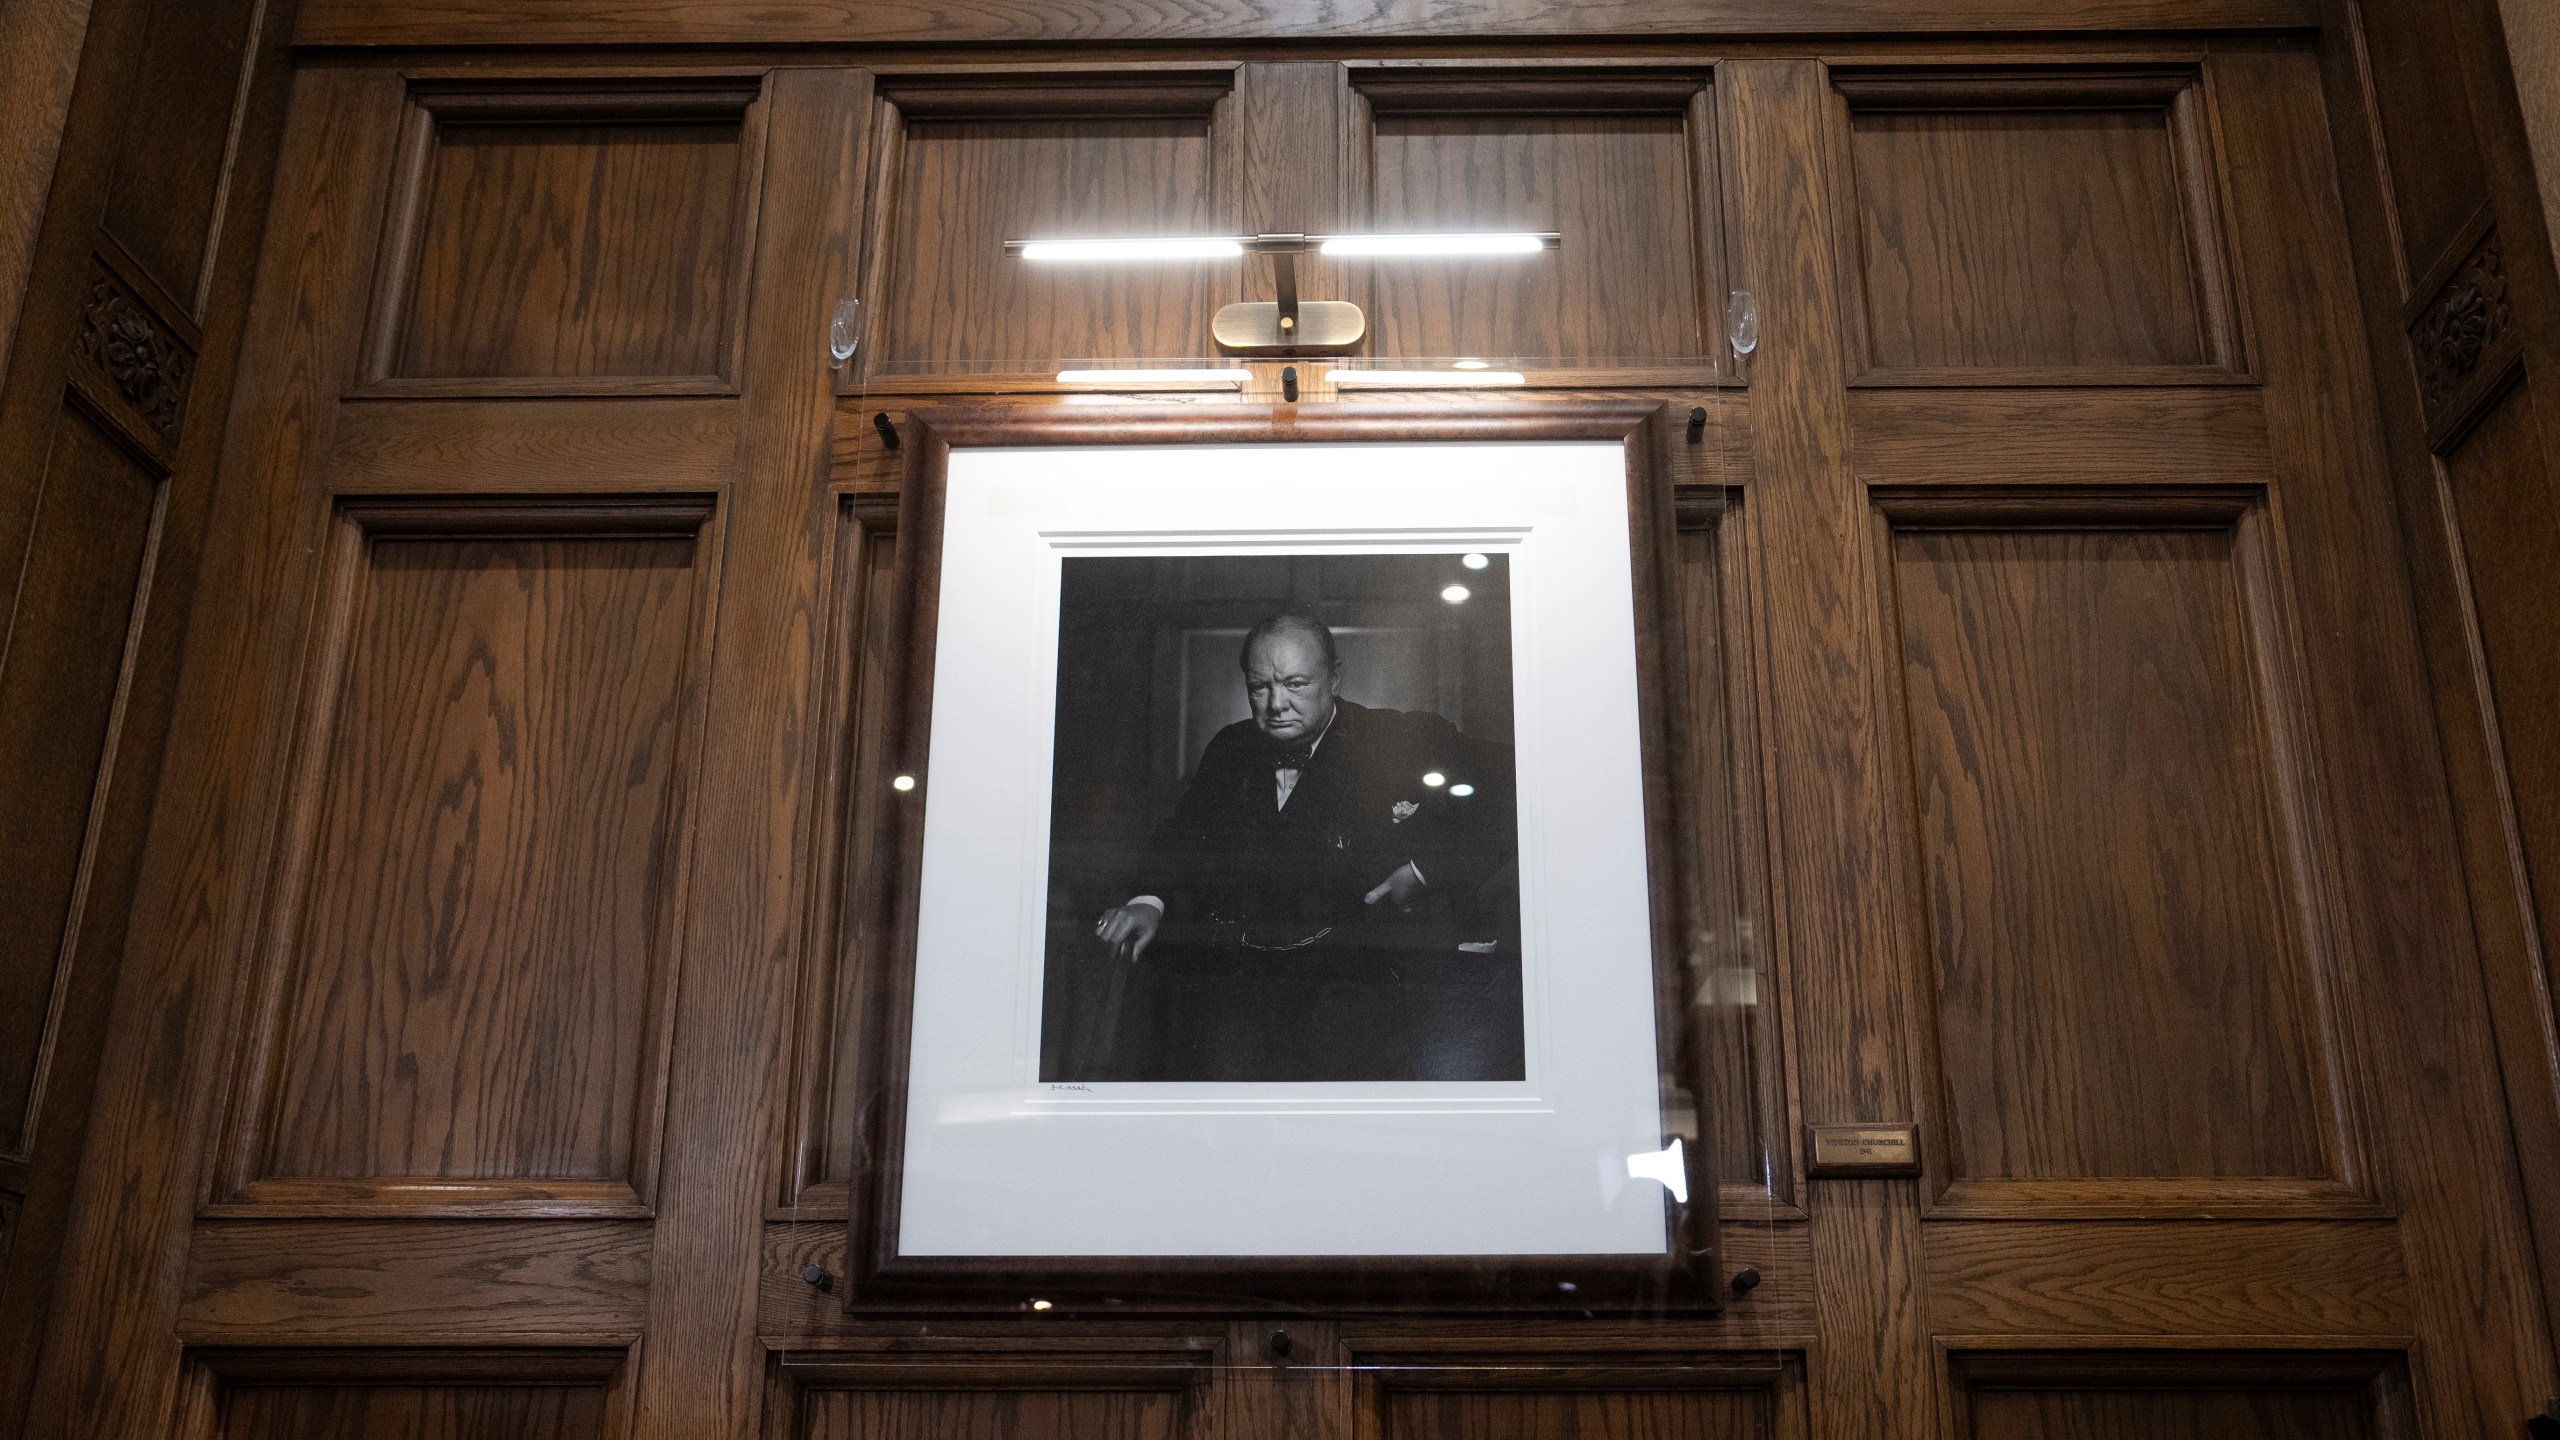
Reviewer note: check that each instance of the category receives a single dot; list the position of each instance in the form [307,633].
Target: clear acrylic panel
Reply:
[1166,1057]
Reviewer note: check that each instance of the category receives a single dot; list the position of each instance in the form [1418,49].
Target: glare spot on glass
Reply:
[1474,561]
[903,782]
[1471,365]
[1462,791]
[1665,1165]
[1435,778]
[1039,1304]
[1455,594]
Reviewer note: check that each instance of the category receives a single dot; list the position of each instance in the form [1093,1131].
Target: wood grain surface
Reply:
[2043,437]
[2241,1278]
[407,1281]
[1502,1415]
[2426,1040]
[1634,193]
[944,295]
[2329,1413]
[1959,215]
[142,138]
[2119,993]
[79,594]
[602,444]
[415,1412]
[1029,22]
[491,862]
[2425,184]
[575,252]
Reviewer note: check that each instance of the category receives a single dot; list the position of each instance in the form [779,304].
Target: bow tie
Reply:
[1297,759]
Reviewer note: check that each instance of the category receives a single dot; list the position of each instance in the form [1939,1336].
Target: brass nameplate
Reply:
[1864,1150]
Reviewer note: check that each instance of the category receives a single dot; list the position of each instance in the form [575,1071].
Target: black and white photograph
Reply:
[1284,844]
[1284,883]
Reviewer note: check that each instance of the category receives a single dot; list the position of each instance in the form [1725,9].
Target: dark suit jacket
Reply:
[1236,871]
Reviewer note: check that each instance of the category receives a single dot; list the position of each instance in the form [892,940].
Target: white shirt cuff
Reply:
[1147,900]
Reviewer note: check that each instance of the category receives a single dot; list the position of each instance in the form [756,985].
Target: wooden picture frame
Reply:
[1685,1277]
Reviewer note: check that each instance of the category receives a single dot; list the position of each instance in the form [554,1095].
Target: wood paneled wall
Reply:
[2462,310]
[2060,699]
[132,190]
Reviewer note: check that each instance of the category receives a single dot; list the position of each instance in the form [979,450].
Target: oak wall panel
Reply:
[1620,1383]
[968,163]
[1059,1382]
[480,965]
[2034,221]
[2506,528]
[569,235]
[862,655]
[1035,1414]
[1530,1414]
[171,180]
[76,593]
[2116,959]
[415,1412]
[2179,1395]
[411,1395]
[2170,1415]
[2439,178]
[1622,163]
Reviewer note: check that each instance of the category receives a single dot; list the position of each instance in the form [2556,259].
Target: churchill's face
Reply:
[1290,686]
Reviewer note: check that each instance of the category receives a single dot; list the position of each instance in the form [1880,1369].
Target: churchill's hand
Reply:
[1134,925]
[1400,888]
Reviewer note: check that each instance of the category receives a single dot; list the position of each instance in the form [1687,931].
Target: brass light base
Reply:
[1322,327]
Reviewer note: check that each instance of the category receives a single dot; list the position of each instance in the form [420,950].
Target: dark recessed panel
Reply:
[926,1414]
[74,593]
[415,1412]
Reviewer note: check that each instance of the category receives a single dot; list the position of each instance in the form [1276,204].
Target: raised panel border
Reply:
[1682,90]
[433,104]
[1629,1361]
[1177,1361]
[2177,89]
[1205,91]
[1727,762]
[212,1374]
[1974,1363]
[233,1188]
[2310,923]
[852,719]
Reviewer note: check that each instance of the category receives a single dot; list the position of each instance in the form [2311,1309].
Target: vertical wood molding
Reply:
[727,1083]
[2419,1018]
[1845,928]
[113,1357]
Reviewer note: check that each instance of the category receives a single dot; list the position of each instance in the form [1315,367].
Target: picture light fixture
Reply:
[1288,325]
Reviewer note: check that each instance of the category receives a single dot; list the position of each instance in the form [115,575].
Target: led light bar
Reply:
[1228,247]
[1523,243]
[1235,377]
[1422,379]
[1161,247]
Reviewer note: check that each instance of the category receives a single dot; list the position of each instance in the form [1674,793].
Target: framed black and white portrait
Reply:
[1287,881]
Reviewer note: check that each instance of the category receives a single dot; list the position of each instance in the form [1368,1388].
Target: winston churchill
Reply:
[1333,898]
